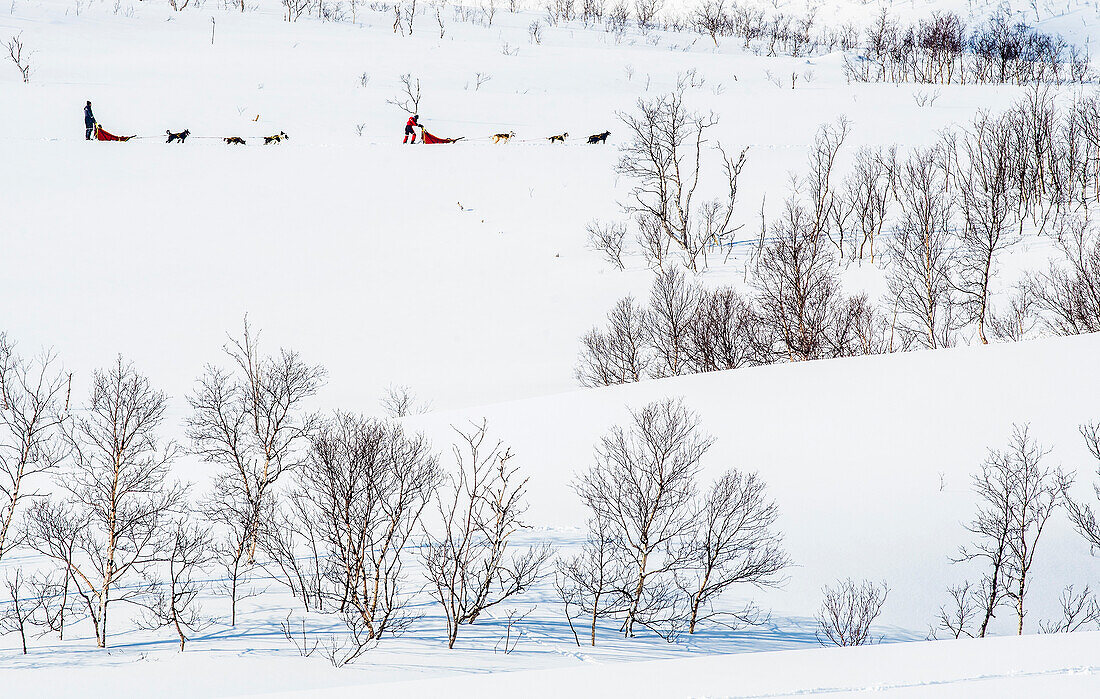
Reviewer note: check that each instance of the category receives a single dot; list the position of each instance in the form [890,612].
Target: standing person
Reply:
[89,121]
[409,128]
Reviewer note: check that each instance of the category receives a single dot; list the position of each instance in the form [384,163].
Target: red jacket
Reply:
[411,122]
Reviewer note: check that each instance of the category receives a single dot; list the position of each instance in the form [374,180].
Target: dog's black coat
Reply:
[599,138]
[181,136]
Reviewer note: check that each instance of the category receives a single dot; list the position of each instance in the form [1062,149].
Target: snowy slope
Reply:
[1063,666]
[462,270]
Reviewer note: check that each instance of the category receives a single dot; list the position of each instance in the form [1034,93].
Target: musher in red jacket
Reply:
[409,128]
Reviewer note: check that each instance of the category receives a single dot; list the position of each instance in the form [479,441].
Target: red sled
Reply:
[428,138]
[102,135]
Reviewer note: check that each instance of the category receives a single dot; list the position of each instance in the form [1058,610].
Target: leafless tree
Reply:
[19,57]
[672,302]
[1017,319]
[176,602]
[992,527]
[409,99]
[987,204]
[645,11]
[797,291]
[118,494]
[1081,513]
[294,9]
[299,637]
[643,484]
[621,354]
[722,332]
[966,606]
[1068,293]
[513,632]
[410,17]
[868,193]
[824,206]
[51,588]
[363,488]
[32,393]
[400,401]
[607,239]
[488,12]
[54,529]
[22,610]
[596,579]
[847,612]
[921,256]
[251,421]
[664,157]
[1037,493]
[1017,495]
[438,7]
[735,542]
[653,241]
[710,18]
[480,507]
[1080,611]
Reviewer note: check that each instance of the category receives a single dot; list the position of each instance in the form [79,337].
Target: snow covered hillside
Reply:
[465,271]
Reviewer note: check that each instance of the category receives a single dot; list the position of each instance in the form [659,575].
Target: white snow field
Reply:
[462,270]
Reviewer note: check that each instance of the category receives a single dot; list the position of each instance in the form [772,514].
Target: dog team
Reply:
[414,121]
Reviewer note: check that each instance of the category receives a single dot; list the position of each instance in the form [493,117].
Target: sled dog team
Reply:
[560,138]
[413,123]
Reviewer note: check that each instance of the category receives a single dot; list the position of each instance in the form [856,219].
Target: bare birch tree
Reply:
[1017,496]
[363,488]
[597,578]
[251,421]
[176,602]
[672,303]
[991,527]
[642,484]
[620,354]
[118,495]
[1068,293]
[987,203]
[1081,513]
[847,612]
[32,393]
[735,542]
[1037,495]
[480,507]
[664,157]
[20,613]
[919,275]
[797,291]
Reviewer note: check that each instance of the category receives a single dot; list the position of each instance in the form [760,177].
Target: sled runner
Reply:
[103,135]
[428,138]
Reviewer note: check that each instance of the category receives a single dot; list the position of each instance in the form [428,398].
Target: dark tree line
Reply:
[940,50]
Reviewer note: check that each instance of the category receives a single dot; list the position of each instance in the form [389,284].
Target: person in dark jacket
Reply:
[89,121]
[409,128]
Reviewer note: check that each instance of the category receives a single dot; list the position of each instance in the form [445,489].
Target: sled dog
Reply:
[181,136]
[503,137]
[599,138]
